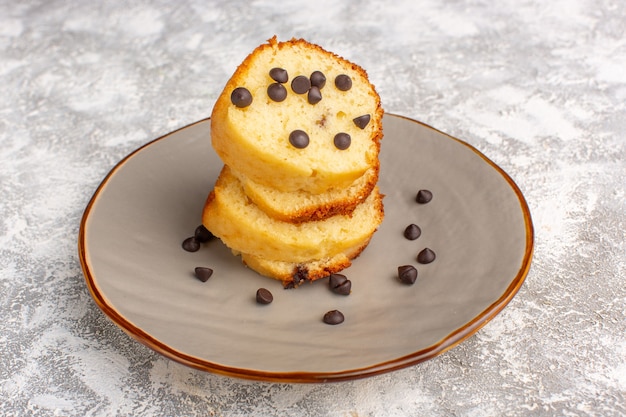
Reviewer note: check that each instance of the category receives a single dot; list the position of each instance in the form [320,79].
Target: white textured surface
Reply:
[537,86]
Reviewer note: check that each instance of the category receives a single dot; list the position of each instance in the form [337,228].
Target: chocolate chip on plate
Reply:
[191,244]
[264,296]
[343,82]
[407,274]
[426,256]
[203,273]
[314,96]
[342,141]
[277,92]
[333,317]
[423,196]
[318,79]
[241,97]
[300,84]
[279,75]
[299,139]
[202,234]
[412,232]
[362,121]
[339,284]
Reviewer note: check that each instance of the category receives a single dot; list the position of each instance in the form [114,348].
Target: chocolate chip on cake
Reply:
[412,232]
[279,75]
[426,256]
[407,274]
[318,79]
[203,273]
[423,196]
[241,97]
[362,121]
[342,141]
[277,92]
[343,82]
[301,273]
[314,96]
[339,284]
[202,234]
[300,84]
[191,244]
[333,317]
[264,296]
[299,139]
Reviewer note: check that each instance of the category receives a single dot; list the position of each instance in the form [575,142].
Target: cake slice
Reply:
[295,117]
[284,250]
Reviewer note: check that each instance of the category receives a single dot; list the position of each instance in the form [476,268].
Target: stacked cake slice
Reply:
[298,129]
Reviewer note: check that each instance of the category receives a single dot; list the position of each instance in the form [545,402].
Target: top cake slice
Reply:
[296,117]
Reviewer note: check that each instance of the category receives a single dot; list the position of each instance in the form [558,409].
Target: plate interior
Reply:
[477,223]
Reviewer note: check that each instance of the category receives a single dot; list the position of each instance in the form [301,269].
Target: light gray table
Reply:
[537,86]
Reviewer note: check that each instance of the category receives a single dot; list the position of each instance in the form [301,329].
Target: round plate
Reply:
[477,223]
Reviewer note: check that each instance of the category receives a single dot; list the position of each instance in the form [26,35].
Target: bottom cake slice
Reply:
[279,249]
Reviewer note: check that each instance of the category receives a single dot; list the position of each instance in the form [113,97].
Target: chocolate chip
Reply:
[264,296]
[342,141]
[339,284]
[300,273]
[333,317]
[335,280]
[343,82]
[426,256]
[300,84]
[279,75]
[423,196]
[407,274]
[314,96]
[241,97]
[412,232]
[318,79]
[203,273]
[277,92]
[362,121]
[191,244]
[299,139]
[202,234]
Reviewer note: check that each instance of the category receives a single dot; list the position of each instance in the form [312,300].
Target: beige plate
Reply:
[478,224]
